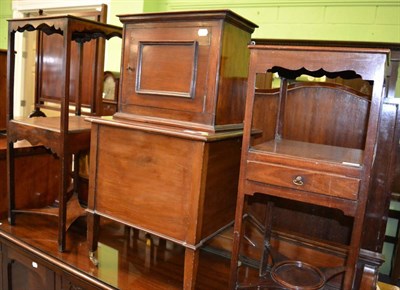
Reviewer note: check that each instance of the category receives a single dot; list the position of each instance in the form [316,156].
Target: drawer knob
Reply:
[298,180]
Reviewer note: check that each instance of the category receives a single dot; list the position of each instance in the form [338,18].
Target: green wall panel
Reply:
[334,20]
[301,15]
[357,20]
[5,13]
[388,15]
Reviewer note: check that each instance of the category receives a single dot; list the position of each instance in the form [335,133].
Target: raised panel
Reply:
[154,180]
[157,58]
[158,62]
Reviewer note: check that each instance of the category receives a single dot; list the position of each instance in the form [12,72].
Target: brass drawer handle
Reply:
[298,180]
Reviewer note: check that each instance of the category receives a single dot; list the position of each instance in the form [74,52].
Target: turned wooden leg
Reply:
[93,223]
[237,236]
[190,268]
[62,197]
[264,263]
[11,182]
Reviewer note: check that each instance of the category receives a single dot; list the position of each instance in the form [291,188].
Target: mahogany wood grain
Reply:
[170,181]
[348,131]
[172,150]
[312,116]
[313,181]
[392,72]
[384,180]
[46,131]
[384,176]
[91,70]
[130,260]
[204,88]
[63,134]
[3,85]
[334,226]
[19,265]
[311,150]
[306,121]
[37,181]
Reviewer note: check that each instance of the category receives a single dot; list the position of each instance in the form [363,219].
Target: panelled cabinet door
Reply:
[21,272]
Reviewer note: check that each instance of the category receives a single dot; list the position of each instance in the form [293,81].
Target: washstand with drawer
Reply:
[310,140]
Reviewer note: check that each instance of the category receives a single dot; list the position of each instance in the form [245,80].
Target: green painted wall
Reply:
[366,20]
[353,20]
[154,6]
[310,19]
[357,20]
[5,13]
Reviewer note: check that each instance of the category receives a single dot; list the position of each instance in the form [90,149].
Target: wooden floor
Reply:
[125,262]
[384,286]
[128,259]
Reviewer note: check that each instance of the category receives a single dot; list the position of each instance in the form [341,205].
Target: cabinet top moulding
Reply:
[202,15]
[185,69]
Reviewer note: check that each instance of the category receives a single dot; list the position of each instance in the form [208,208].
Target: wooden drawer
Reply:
[300,179]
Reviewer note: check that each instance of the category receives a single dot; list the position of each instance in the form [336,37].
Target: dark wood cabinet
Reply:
[168,160]
[22,272]
[24,267]
[309,143]
[185,69]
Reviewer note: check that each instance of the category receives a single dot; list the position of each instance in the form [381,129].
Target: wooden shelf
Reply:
[46,131]
[318,152]
[76,124]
